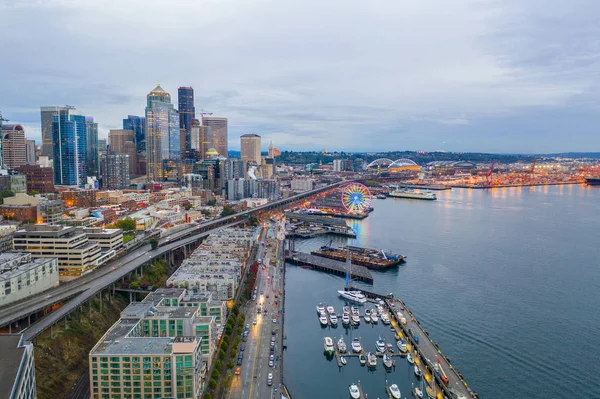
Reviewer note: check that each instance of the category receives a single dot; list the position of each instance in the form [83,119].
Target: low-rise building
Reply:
[21,276]
[76,254]
[22,213]
[17,380]
[108,239]
[50,211]
[221,286]
[300,185]
[6,237]
[39,178]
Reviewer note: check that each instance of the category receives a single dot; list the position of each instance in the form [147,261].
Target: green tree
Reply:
[218,365]
[230,364]
[215,374]
[154,243]
[224,346]
[212,202]
[4,194]
[34,192]
[227,210]
[221,354]
[207,395]
[134,285]
[212,384]
[127,224]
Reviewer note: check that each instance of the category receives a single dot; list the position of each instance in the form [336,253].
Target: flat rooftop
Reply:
[116,342]
[10,359]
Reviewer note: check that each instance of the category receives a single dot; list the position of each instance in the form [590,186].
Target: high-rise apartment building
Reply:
[187,112]
[217,131]
[102,143]
[117,139]
[39,178]
[13,146]
[70,148]
[250,148]
[114,170]
[91,161]
[47,117]
[138,125]
[30,152]
[162,133]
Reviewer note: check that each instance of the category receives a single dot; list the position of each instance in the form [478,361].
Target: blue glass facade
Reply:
[91,161]
[69,136]
[187,112]
[138,125]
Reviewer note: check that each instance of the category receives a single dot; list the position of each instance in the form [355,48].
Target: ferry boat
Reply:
[328,345]
[354,392]
[369,258]
[354,296]
[592,181]
[412,194]
[341,345]
[356,346]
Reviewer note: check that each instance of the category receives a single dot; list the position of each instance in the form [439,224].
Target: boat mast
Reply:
[348,265]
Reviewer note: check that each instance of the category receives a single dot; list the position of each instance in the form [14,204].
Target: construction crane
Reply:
[533,166]
[3,120]
[202,112]
[488,176]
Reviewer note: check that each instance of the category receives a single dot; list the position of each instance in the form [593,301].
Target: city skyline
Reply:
[512,77]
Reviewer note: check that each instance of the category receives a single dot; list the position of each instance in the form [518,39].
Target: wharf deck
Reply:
[329,266]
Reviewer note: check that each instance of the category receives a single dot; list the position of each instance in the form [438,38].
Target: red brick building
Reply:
[38,178]
[19,212]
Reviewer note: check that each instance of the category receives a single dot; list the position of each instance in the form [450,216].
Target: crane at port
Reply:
[443,375]
[533,167]
[488,175]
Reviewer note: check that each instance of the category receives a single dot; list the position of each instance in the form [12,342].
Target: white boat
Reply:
[387,361]
[371,360]
[330,310]
[355,319]
[380,345]
[395,391]
[385,319]
[354,310]
[362,359]
[333,319]
[380,310]
[418,371]
[417,392]
[345,319]
[323,320]
[367,312]
[412,194]
[374,319]
[328,344]
[320,308]
[354,392]
[346,309]
[356,346]
[354,296]
[402,346]
[367,318]
[343,360]
[410,359]
[341,345]
[390,348]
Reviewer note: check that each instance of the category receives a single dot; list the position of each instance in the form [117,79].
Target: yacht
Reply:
[402,346]
[417,392]
[354,392]
[367,312]
[355,319]
[328,345]
[356,346]
[418,371]
[362,359]
[323,320]
[410,359]
[320,308]
[330,310]
[345,319]
[380,345]
[333,319]
[341,345]
[367,318]
[387,361]
[354,296]
[371,360]
[390,348]
[354,310]
[385,319]
[395,391]
[374,318]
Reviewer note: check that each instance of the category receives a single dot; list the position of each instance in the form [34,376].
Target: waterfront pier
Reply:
[329,266]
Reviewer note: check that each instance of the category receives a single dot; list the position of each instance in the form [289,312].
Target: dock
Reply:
[362,393]
[329,266]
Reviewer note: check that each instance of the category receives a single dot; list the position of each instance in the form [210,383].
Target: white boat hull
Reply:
[352,298]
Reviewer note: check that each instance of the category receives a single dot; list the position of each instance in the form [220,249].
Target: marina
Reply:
[338,268]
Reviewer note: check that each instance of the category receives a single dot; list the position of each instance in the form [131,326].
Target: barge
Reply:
[369,258]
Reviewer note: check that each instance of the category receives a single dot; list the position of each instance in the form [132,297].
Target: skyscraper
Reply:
[217,130]
[47,116]
[30,152]
[13,146]
[114,170]
[117,139]
[250,148]
[199,140]
[91,161]
[69,149]
[162,133]
[187,112]
[138,125]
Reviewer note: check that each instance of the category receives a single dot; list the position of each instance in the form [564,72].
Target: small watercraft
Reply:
[402,346]
[328,345]
[418,372]
[374,318]
[341,345]
[320,308]
[345,319]
[410,359]
[354,392]
[355,319]
[380,345]
[385,319]
[333,319]
[371,359]
[330,309]
[395,391]
[343,360]
[417,392]
[367,318]
[356,346]
[387,361]
[362,359]
[323,321]
[390,348]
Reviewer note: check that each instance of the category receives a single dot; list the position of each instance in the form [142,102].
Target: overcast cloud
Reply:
[457,75]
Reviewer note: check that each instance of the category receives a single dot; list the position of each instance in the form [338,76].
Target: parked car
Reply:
[270,379]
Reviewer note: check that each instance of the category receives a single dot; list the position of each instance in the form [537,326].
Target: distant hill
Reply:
[595,155]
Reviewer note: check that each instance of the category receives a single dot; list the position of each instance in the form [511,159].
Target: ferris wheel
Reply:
[356,198]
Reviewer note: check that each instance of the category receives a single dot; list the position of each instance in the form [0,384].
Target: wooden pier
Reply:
[329,266]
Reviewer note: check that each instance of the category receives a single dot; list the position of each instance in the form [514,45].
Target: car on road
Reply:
[272,339]
[247,327]
[272,350]
[239,362]
[273,332]
[271,364]
[238,371]
[244,338]
[270,379]
[258,310]
[271,357]
[242,347]
[272,344]
[274,321]
[254,322]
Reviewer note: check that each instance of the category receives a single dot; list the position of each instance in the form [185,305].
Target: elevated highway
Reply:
[74,294]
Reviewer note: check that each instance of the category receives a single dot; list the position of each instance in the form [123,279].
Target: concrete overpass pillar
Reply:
[130,297]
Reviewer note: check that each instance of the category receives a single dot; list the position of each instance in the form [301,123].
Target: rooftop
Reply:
[10,358]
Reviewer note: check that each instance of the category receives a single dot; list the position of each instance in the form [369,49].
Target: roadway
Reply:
[252,381]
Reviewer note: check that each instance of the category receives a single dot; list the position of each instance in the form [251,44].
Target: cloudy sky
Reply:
[455,75]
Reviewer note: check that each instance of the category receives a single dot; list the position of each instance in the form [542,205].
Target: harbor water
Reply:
[506,281]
